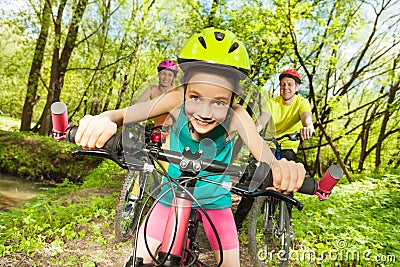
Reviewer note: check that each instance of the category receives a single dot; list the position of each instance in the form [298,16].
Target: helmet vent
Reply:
[202,42]
[234,46]
[219,36]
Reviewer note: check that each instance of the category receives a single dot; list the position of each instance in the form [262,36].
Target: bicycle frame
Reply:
[172,250]
[173,244]
[278,145]
[177,246]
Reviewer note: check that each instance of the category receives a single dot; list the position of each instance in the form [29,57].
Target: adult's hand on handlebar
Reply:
[94,131]
[288,176]
[306,133]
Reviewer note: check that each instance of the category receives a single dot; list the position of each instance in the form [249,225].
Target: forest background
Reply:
[99,55]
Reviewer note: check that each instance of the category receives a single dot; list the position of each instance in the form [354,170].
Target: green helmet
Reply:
[215,46]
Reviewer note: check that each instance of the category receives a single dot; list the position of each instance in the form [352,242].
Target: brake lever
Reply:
[278,195]
[101,154]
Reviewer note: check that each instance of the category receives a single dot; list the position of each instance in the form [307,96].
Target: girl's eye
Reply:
[195,98]
[220,103]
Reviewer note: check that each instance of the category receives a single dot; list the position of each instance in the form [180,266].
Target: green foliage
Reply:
[263,28]
[356,226]
[336,43]
[19,154]
[9,123]
[67,212]
[119,49]
[15,50]
[111,174]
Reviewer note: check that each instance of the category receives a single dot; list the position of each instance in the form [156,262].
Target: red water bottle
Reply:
[59,116]
[328,181]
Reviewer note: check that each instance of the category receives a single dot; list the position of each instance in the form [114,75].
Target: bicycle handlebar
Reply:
[113,145]
[194,162]
[291,137]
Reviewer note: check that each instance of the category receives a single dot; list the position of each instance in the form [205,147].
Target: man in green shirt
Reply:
[288,113]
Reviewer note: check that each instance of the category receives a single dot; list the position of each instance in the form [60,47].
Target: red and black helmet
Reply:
[291,74]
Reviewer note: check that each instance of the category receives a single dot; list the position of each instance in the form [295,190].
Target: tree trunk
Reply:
[122,91]
[365,133]
[336,151]
[387,113]
[59,64]
[212,17]
[31,97]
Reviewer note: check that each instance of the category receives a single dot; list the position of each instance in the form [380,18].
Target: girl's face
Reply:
[288,88]
[166,77]
[208,98]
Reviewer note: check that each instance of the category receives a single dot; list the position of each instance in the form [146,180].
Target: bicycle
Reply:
[270,235]
[130,200]
[273,232]
[135,184]
[179,246]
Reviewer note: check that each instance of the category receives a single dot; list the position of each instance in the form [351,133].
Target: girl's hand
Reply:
[288,176]
[94,131]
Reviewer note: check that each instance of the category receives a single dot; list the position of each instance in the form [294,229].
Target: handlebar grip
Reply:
[257,171]
[309,187]
[113,145]
[328,181]
[70,133]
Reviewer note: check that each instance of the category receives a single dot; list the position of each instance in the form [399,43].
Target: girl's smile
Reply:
[166,77]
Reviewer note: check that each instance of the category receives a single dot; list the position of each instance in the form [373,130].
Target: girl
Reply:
[167,71]
[214,62]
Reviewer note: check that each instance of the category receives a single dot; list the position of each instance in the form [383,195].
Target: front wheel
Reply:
[129,205]
[270,232]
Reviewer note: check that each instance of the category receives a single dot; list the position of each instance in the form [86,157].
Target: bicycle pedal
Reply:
[129,263]
[127,210]
[128,207]
[268,230]
[267,233]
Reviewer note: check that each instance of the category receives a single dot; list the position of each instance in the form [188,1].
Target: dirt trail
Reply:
[100,250]
[88,252]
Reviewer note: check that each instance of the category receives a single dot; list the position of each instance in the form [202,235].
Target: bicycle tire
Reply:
[269,236]
[127,212]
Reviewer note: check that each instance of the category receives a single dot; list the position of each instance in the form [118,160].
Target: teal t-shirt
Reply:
[215,146]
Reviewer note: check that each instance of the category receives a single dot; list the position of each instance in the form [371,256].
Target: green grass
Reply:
[9,124]
[357,226]
[61,214]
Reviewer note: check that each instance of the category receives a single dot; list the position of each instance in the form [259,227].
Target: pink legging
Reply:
[222,220]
